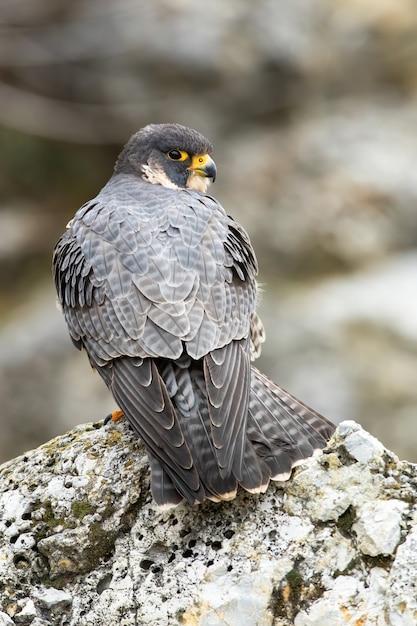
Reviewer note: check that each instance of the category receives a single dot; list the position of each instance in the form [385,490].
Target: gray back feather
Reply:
[146,271]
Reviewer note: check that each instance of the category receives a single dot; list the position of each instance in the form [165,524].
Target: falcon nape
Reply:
[157,284]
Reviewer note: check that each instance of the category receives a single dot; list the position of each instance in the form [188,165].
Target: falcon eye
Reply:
[178,155]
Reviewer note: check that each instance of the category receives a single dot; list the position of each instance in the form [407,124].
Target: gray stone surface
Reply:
[81,542]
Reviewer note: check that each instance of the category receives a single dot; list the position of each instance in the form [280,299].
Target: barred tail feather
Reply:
[163,489]
[283,430]
[168,409]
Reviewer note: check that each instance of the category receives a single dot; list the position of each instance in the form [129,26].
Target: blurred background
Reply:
[311,106]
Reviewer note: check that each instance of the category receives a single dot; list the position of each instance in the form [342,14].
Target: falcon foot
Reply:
[115,416]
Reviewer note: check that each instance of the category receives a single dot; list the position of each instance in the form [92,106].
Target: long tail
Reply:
[168,409]
[283,430]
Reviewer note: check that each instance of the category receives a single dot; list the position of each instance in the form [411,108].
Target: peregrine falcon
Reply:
[158,285]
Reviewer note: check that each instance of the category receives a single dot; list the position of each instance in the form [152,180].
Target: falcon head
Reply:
[170,155]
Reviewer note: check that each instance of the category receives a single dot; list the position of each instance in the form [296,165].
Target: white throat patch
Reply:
[197,182]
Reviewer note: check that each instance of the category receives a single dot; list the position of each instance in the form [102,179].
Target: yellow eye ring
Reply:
[178,155]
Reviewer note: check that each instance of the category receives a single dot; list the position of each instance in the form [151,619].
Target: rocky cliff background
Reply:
[311,106]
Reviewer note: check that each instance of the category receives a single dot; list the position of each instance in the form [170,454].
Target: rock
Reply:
[5,620]
[402,591]
[378,526]
[348,602]
[53,599]
[27,612]
[81,541]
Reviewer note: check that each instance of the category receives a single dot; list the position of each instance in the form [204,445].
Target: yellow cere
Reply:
[199,161]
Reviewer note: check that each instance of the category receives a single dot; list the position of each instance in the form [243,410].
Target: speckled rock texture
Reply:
[82,544]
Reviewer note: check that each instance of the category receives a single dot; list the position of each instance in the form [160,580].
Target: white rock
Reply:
[24,541]
[241,604]
[402,584]
[50,597]
[349,603]
[255,560]
[378,527]
[5,620]
[338,552]
[27,611]
[360,444]
[376,595]
[341,606]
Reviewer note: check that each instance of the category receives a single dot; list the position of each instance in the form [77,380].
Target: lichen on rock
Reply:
[81,541]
